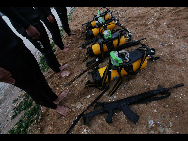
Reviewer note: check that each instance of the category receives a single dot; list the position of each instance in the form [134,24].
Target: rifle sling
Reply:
[153,98]
[89,67]
[79,116]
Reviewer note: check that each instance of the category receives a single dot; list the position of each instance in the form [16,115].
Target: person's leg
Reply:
[62,13]
[54,99]
[26,80]
[51,59]
[22,31]
[61,96]
[42,44]
[29,78]
[41,79]
[54,30]
[49,55]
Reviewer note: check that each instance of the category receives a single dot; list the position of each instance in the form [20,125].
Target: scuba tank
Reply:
[101,22]
[114,73]
[96,31]
[120,64]
[96,22]
[109,42]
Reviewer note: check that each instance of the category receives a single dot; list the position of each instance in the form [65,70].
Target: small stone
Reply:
[148,117]
[150,122]
[168,130]
[78,105]
[161,129]
[88,96]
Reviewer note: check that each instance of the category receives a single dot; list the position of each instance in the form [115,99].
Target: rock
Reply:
[79,105]
[168,130]
[161,129]
[150,122]
[88,96]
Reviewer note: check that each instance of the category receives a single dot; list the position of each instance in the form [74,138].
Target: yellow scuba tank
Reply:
[114,73]
[94,22]
[96,31]
[122,63]
[108,42]
[95,49]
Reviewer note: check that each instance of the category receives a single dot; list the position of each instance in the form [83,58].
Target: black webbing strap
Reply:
[118,83]
[119,35]
[87,56]
[90,84]
[89,67]
[142,61]
[101,49]
[149,99]
[105,75]
[79,116]
[103,79]
[129,68]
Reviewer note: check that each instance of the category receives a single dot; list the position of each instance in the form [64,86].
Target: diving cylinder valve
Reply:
[117,58]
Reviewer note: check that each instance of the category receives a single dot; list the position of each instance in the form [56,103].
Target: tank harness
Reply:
[95,62]
[98,19]
[120,64]
[108,41]
[100,23]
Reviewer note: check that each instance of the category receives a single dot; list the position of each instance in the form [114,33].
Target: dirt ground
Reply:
[165,30]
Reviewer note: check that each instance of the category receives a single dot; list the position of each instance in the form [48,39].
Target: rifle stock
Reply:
[88,117]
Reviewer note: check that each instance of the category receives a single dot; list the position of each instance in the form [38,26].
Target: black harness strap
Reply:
[79,116]
[116,86]
[119,35]
[89,67]
[100,86]
[129,68]
[101,49]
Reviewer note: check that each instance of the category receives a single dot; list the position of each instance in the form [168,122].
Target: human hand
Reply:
[33,32]
[50,19]
[5,76]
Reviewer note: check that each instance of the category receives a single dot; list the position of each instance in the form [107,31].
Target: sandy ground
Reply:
[165,30]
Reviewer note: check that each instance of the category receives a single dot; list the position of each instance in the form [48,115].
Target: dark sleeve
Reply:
[43,11]
[15,16]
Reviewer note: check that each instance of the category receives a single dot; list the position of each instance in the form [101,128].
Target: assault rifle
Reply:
[123,104]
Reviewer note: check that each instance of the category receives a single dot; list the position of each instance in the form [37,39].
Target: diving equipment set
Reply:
[112,43]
